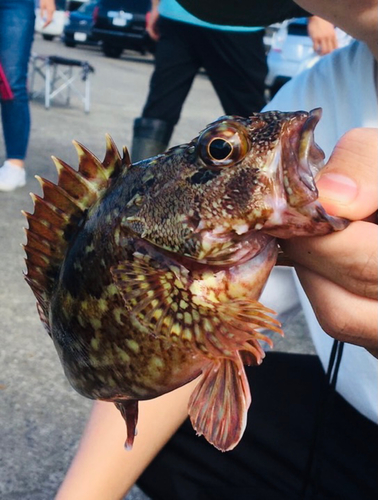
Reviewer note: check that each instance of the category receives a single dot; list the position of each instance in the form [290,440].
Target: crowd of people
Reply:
[312,432]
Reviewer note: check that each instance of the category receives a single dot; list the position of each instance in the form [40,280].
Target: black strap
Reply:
[312,477]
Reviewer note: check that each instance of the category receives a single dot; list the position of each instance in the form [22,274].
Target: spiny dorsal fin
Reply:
[59,211]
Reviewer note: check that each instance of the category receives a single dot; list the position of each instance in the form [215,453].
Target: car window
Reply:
[60,4]
[87,8]
[137,6]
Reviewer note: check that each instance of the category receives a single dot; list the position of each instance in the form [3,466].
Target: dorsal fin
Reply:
[59,211]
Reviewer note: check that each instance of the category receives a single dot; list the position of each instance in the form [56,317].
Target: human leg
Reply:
[16,36]
[175,68]
[237,67]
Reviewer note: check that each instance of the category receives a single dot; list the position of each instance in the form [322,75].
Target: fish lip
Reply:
[311,156]
[301,158]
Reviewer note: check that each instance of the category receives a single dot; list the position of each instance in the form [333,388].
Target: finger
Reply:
[348,184]
[348,258]
[343,315]
[316,44]
[153,35]
[334,43]
[325,47]
[49,16]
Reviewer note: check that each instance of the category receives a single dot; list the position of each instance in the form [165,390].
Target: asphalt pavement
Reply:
[41,416]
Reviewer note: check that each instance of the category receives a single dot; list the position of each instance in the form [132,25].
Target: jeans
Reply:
[16,37]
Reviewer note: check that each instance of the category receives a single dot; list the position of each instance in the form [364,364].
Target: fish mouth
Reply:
[296,210]
[301,159]
[311,156]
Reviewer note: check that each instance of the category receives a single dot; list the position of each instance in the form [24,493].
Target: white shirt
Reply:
[343,84]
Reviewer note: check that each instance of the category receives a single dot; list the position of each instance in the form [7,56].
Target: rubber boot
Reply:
[151,137]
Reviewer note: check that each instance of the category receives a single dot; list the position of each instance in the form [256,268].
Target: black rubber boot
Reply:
[151,137]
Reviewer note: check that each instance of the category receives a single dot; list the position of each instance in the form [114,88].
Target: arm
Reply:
[47,10]
[102,469]
[322,34]
[152,21]
[339,271]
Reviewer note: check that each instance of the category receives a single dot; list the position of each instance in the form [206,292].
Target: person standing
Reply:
[16,36]
[233,57]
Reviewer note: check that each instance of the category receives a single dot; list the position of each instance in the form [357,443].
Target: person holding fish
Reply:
[303,439]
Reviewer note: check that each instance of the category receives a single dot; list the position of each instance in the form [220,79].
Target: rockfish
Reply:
[148,275]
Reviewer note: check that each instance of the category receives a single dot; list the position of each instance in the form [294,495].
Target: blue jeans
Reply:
[16,37]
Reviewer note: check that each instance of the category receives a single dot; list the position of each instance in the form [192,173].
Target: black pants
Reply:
[272,460]
[235,63]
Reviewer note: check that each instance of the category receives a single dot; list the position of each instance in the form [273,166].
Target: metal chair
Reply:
[60,74]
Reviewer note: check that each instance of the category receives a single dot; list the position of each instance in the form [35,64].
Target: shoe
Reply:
[11,177]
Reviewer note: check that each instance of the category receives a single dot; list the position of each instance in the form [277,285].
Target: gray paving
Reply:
[41,417]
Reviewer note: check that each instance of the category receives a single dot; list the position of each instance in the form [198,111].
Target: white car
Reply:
[291,52]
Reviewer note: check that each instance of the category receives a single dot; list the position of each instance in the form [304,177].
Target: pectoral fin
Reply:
[219,404]
[160,297]
[155,292]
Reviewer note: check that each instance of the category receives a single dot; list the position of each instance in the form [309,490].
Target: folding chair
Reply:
[60,74]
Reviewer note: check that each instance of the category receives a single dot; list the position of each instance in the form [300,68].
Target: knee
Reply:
[16,76]
[18,86]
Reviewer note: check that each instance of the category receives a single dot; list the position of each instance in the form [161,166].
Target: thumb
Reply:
[348,184]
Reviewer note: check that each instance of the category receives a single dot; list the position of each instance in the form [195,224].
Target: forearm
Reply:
[102,469]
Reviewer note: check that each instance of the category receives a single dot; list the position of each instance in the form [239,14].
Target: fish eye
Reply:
[223,144]
[219,149]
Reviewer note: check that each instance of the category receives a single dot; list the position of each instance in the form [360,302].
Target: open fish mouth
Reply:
[296,210]
[301,159]
[311,156]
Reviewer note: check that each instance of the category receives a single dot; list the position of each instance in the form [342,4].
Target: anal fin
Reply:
[218,405]
[129,412]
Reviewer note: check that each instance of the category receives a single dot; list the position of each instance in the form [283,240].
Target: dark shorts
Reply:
[235,63]
[291,405]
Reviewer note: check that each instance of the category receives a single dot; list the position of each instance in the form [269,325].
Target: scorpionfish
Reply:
[148,275]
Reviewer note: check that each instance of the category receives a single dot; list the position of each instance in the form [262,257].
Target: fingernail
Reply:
[337,187]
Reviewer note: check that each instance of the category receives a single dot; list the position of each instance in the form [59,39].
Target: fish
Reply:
[147,275]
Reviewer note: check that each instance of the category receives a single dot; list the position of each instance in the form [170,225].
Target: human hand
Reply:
[322,34]
[152,25]
[47,9]
[339,272]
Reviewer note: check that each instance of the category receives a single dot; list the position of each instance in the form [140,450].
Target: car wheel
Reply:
[112,51]
[50,38]
[69,44]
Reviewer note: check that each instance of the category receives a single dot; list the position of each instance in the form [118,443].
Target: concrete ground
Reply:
[41,416]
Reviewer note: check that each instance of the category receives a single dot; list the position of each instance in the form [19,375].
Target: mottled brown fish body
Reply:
[148,275]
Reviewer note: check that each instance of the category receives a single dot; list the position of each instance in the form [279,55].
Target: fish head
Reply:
[222,197]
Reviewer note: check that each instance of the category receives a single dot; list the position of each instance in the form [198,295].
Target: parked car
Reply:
[121,24]
[55,28]
[78,29]
[291,52]
[72,5]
